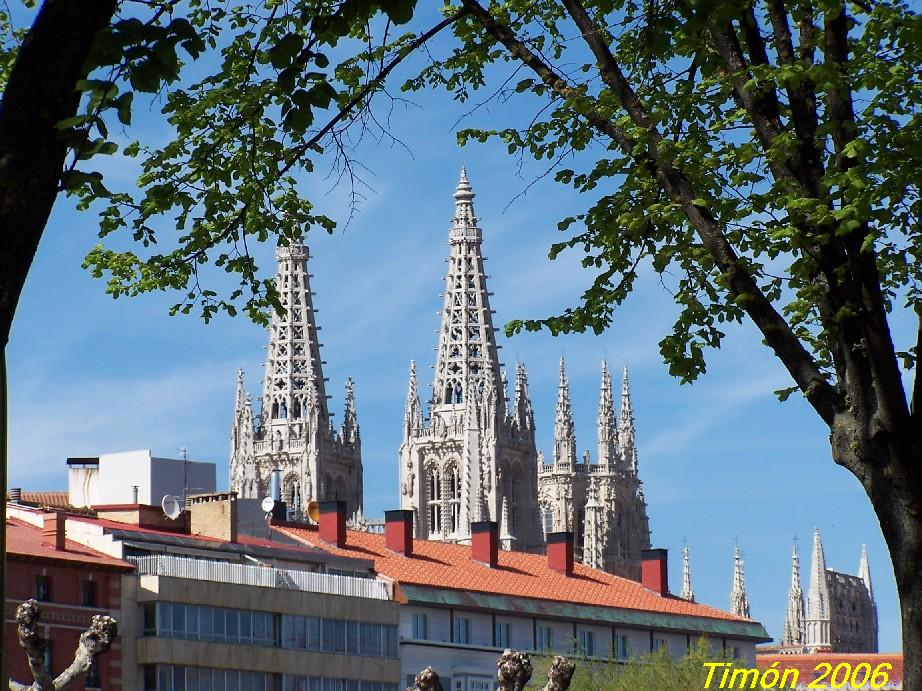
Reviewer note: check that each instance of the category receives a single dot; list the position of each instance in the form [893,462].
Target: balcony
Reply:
[260,576]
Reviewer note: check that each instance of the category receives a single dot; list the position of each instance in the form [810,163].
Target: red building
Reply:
[73,583]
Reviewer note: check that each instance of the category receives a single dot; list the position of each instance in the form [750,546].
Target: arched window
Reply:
[547,519]
[434,502]
[283,410]
[275,410]
[454,498]
[296,410]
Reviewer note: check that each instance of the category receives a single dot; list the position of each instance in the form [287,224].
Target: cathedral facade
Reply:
[468,453]
[473,456]
[293,431]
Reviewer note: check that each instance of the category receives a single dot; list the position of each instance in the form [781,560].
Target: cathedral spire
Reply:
[564,432]
[793,632]
[626,428]
[467,342]
[739,604]
[413,415]
[349,432]
[523,416]
[864,571]
[687,592]
[817,626]
[607,425]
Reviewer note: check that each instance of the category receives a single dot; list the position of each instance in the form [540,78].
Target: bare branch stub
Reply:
[560,674]
[513,671]
[93,642]
[427,680]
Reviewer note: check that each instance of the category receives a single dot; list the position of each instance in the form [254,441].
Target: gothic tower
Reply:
[816,628]
[294,431]
[687,592]
[793,632]
[473,459]
[739,603]
[601,502]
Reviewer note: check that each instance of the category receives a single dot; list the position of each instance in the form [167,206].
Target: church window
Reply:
[435,502]
[455,498]
[296,410]
[275,410]
[283,410]
[547,517]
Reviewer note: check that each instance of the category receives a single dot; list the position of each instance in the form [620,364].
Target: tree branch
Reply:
[93,642]
[742,286]
[28,615]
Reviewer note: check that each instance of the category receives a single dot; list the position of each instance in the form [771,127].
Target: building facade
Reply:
[600,501]
[293,431]
[840,614]
[72,584]
[462,606]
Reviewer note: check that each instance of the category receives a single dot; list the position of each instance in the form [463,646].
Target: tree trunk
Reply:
[39,94]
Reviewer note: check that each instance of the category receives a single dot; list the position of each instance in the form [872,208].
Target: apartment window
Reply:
[621,648]
[587,643]
[658,644]
[421,627]
[462,630]
[501,634]
[43,588]
[88,593]
[150,678]
[545,638]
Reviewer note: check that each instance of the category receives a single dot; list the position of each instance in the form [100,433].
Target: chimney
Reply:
[134,494]
[213,515]
[53,529]
[398,531]
[333,522]
[15,493]
[560,552]
[275,484]
[653,571]
[485,542]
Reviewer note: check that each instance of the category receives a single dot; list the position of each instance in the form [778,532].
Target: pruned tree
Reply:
[513,671]
[95,641]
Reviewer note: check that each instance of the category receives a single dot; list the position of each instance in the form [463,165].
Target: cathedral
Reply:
[293,432]
[468,453]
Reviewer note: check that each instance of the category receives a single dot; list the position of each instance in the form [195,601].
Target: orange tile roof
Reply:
[24,540]
[446,565]
[806,664]
[57,499]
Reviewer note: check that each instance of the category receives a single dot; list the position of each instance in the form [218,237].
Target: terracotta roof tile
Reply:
[25,540]
[446,565]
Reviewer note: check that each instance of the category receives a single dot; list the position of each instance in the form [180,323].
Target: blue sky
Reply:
[721,460]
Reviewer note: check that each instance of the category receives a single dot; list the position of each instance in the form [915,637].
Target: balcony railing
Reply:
[260,576]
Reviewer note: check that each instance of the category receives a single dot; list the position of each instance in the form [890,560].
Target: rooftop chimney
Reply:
[213,515]
[485,542]
[398,531]
[53,529]
[653,572]
[333,522]
[15,493]
[560,552]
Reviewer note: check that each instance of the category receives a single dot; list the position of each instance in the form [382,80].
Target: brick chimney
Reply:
[398,531]
[53,526]
[485,542]
[560,552]
[653,571]
[333,522]
[214,515]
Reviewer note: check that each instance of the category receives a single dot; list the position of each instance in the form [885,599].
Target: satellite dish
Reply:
[313,510]
[171,506]
[268,504]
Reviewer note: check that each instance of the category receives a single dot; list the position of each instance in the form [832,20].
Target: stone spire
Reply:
[243,474]
[523,415]
[626,429]
[793,632]
[594,546]
[739,605]
[467,342]
[413,414]
[609,455]
[564,431]
[817,628]
[864,571]
[349,432]
[687,592]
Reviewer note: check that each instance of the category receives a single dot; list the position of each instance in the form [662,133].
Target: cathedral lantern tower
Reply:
[294,431]
[472,460]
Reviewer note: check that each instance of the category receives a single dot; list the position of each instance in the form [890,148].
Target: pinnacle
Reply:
[464,191]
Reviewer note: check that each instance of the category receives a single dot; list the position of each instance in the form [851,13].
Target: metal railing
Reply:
[261,576]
